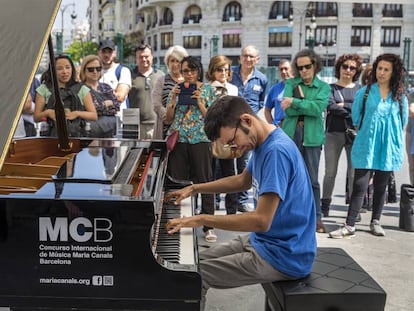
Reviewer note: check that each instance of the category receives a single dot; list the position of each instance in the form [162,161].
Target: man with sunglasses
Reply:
[282,242]
[143,80]
[304,101]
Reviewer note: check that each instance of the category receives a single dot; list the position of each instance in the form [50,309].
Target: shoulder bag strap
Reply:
[364,100]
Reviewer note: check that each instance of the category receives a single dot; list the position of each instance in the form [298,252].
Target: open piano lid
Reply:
[25,28]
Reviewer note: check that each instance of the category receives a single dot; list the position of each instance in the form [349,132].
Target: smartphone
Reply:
[186,91]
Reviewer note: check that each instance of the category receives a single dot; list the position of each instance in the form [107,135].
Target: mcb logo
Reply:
[80,229]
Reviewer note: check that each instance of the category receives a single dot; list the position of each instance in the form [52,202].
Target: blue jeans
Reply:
[311,155]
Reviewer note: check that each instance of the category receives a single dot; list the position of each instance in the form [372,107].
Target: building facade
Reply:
[278,28]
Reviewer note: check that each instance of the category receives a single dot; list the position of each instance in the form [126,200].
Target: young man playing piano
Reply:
[282,242]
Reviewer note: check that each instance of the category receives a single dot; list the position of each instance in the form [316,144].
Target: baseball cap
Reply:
[107,44]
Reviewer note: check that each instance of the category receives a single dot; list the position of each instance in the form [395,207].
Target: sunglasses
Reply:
[147,83]
[346,67]
[307,67]
[92,69]
[222,70]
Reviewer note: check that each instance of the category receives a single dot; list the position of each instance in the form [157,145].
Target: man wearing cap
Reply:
[119,79]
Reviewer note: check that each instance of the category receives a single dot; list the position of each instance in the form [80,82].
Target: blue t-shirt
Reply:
[278,167]
[273,100]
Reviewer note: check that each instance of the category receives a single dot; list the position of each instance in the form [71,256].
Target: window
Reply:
[362,10]
[139,19]
[232,40]
[154,20]
[155,44]
[390,36]
[392,10]
[325,9]
[279,10]
[280,39]
[167,17]
[148,25]
[273,60]
[361,36]
[167,40]
[192,15]
[232,12]
[192,42]
[325,35]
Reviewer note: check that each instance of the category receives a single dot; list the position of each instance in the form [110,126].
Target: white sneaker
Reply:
[376,228]
[343,232]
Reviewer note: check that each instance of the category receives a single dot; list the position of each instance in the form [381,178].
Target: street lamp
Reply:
[59,36]
[303,13]
[406,58]
[326,44]
[213,45]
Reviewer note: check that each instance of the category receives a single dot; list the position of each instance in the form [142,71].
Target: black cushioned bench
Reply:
[337,283]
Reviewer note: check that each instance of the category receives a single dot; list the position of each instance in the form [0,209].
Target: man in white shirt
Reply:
[118,78]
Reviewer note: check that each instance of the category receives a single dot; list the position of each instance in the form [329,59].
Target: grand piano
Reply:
[81,219]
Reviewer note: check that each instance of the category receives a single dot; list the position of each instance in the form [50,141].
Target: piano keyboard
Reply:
[177,248]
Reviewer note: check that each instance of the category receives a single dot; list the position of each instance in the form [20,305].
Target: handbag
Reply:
[172,139]
[221,152]
[350,133]
[406,221]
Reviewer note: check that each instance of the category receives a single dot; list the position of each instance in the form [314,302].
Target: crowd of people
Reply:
[303,116]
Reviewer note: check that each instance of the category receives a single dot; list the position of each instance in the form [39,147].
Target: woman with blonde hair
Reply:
[103,97]
[163,86]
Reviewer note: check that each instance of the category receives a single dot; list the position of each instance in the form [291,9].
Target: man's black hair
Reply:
[225,112]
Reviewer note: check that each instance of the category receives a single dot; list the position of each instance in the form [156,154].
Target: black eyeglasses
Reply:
[190,70]
[147,83]
[232,144]
[92,69]
[346,67]
[307,67]
[222,70]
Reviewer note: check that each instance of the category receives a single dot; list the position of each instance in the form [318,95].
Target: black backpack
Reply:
[71,100]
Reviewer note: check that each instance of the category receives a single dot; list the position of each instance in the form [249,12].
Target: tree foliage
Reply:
[76,48]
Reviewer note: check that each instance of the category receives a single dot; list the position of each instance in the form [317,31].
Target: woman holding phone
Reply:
[191,158]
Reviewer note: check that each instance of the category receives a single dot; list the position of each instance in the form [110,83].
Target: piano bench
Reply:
[336,283]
